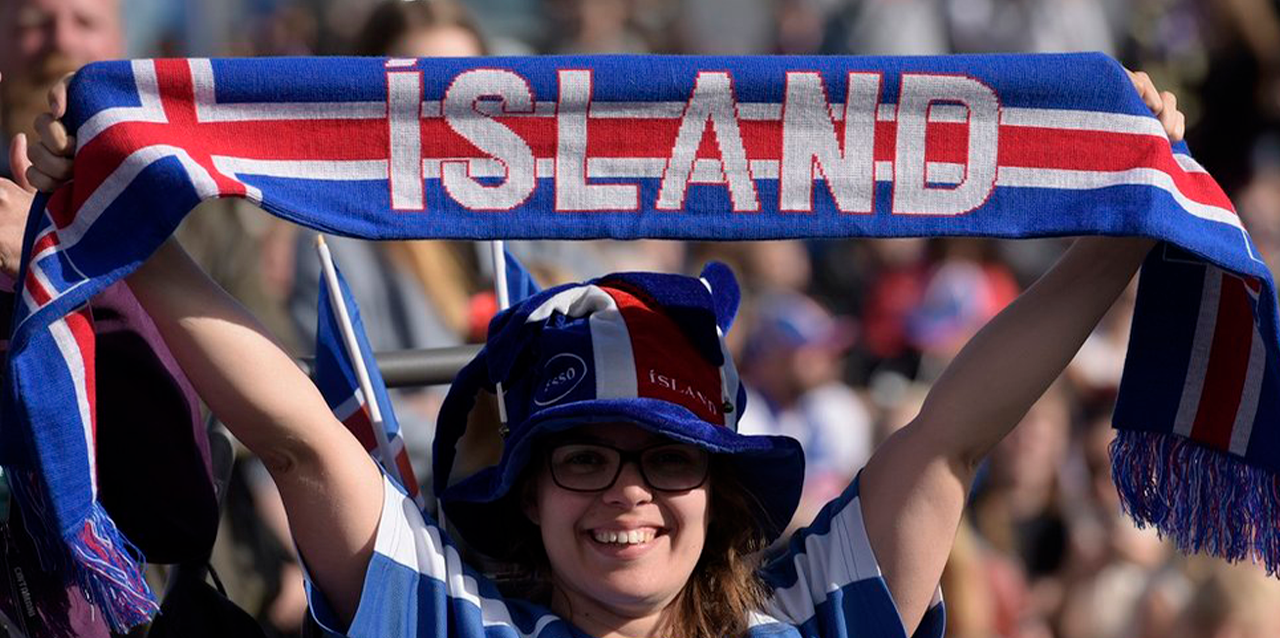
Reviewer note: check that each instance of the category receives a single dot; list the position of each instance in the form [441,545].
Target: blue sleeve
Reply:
[828,583]
[418,587]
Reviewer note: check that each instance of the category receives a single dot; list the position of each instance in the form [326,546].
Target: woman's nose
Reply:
[630,489]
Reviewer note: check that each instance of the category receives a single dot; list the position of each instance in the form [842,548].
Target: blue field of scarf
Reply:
[661,147]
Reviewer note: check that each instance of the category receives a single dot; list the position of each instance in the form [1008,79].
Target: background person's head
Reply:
[419,29]
[793,346]
[42,40]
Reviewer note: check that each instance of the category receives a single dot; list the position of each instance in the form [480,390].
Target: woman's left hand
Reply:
[15,200]
[1164,105]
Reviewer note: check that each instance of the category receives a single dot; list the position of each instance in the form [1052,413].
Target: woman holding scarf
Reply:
[624,496]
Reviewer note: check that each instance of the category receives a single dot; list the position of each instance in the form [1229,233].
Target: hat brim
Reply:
[769,468]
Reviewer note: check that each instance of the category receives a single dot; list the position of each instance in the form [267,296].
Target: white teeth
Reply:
[633,537]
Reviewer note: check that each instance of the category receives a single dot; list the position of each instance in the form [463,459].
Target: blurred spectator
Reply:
[781,265]
[1232,602]
[1095,371]
[878,281]
[1259,201]
[1240,86]
[514,27]
[1033,26]
[801,26]
[778,265]
[1021,485]
[791,365]
[290,29]
[419,29]
[1157,613]
[598,26]
[889,27]
[434,280]
[971,605]
[726,27]
[965,287]
[1018,506]
[43,41]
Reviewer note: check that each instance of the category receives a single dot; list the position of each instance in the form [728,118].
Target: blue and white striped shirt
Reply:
[827,585]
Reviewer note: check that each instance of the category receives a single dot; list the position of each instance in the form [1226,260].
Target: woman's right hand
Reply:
[1163,105]
[52,154]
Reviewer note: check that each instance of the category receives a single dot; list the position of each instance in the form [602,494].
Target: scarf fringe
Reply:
[105,565]
[1204,500]
[109,570]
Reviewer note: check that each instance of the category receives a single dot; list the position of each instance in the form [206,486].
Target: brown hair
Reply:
[725,585]
[723,589]
[392,19]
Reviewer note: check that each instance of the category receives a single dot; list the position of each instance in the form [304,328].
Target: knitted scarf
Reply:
[661,147]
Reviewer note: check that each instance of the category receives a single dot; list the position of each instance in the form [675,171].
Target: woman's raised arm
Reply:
[330,487]
[914,487]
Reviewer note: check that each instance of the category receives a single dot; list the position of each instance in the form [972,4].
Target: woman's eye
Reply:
[581,458]
[671,458]
[584,458]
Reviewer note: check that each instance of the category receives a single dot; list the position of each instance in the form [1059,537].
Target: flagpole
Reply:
[499,253]
[339,305]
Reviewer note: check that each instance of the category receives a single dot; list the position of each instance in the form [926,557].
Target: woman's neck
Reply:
[604,620]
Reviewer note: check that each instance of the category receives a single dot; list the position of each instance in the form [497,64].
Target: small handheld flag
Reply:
[519,283]
[348,381]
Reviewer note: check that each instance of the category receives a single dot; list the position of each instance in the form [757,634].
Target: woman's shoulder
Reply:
[828,582]
[418,575]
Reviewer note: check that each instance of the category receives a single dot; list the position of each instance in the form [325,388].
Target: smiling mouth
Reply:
[622,538]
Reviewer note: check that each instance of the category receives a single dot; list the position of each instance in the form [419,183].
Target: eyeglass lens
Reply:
[587,467]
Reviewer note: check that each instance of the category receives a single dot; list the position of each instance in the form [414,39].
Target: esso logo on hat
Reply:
[562,374]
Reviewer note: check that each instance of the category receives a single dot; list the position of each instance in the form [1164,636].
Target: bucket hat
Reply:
[641,348]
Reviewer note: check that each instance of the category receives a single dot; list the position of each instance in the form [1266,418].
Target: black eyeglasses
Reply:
[593,467]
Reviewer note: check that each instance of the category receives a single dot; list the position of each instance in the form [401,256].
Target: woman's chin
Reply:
[638,584]
[629,596]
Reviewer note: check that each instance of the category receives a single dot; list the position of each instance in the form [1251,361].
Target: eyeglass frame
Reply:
[624,457]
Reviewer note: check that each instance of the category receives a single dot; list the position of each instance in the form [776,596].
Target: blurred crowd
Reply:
[839,339]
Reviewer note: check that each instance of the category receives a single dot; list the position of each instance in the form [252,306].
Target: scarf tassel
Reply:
[108,569]
[1204,500]
[105,565]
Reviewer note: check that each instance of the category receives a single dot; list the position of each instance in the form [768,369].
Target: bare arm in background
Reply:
[332,490]
[914,487]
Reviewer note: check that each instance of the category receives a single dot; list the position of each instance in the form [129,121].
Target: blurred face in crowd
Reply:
[626,548]
[80,30]
[42,40]
[1027,460]
[436,42]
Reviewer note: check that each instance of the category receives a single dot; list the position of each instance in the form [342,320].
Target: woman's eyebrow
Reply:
[579,438]
[652,441]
